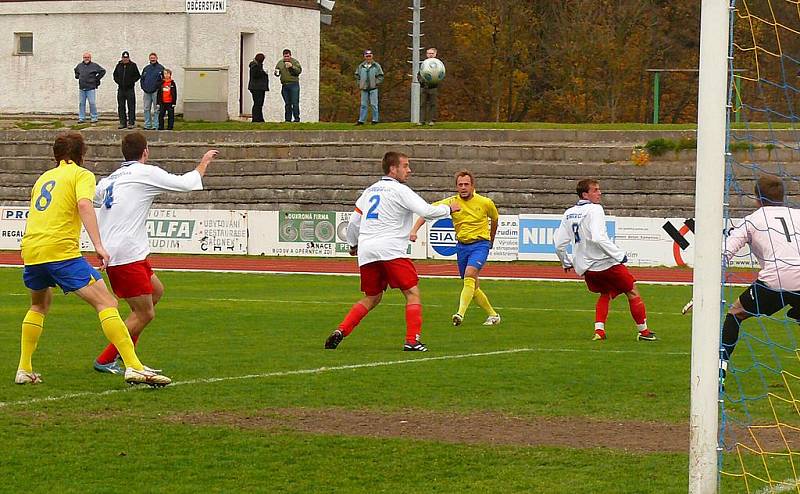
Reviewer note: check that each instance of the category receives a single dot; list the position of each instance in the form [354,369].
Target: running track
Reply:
[349,266]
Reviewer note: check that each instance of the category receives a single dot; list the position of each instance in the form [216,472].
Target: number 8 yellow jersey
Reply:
[53,229]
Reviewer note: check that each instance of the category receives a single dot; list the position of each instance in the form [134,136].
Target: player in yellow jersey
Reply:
[475,234]
[60,201]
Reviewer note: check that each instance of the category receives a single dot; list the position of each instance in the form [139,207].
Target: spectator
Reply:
[258,86]
[88,74]
[152,75]
[289,69]
[167,97]
[125,75]
[428,95]
[369,76]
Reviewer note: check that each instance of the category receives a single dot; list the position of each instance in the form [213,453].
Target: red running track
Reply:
[349,266]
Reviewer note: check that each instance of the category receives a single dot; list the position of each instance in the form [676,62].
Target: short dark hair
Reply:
[69,146]
[465,173]
[390,159]
[769,190]
[287,51]
[133,146]
[584,185]
[260,57]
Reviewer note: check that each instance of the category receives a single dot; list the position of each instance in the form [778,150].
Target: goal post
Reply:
[709,221]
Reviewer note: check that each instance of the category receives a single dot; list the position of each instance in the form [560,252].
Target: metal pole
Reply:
[415,35]
[656,95]
[738,98]
[709,193]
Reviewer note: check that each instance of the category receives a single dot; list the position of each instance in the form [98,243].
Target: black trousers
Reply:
[126,97]
[258,104]
[169,110]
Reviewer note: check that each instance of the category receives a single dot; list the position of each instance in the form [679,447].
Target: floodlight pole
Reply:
[709,197]
[416,23]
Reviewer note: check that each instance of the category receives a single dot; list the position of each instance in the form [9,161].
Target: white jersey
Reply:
[383,219]
[584,226]
[772,234]
[124,199]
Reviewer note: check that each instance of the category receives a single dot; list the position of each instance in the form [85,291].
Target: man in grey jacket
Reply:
[88,74]
[369,76]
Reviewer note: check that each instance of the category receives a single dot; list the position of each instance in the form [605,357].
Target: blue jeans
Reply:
[291,101]
[368,97]
[150,100]
[83,96]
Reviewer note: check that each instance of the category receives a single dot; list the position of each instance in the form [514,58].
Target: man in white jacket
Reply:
[378,233]
[596,258]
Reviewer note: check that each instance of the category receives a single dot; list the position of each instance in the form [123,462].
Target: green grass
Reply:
[268,326]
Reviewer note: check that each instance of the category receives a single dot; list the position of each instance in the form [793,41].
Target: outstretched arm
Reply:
[414,229]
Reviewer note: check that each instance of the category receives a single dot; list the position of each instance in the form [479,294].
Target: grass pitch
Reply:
[246,353]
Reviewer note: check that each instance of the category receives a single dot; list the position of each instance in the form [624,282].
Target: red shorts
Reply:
[614,280]
[131,280]
[397,273]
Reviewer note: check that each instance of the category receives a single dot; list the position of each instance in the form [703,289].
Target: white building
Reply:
[43,41]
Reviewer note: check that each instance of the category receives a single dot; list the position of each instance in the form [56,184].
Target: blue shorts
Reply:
[473,254]
[70,275]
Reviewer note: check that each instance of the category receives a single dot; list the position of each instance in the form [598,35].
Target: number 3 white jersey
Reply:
[772,234]
[584,226]
[124,199]
[383,219]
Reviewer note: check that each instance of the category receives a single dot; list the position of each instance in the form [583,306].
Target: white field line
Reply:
[318,370]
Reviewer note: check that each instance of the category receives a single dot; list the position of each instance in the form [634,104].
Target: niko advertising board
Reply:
[536,232]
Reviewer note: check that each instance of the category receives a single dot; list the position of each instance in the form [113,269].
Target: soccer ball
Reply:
[432,71]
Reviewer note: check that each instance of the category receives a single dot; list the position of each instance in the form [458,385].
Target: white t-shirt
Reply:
[124,199]
[383,219]
[584,226]
[772,234]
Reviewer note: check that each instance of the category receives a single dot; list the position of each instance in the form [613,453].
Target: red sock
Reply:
[413,322]
[110,353]
[351,320]
[637,310]
[601,309]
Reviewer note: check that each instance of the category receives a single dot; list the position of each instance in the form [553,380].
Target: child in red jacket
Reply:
[167,97]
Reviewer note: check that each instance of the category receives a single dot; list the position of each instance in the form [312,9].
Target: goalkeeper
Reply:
[596,258]
[771,233]
[475,235]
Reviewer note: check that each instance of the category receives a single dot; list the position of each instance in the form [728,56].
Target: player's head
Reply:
[134,146]
[465,183]
[769,190]
[588,189]
[396,165]
[69,146]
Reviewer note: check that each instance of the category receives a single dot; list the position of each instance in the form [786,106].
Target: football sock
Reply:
[483,301]
[601,309]
[638,312]
[110,353]
[413,322]
[730,335]
[32,327]
[466,295]
[599,326]
[351,320]
[118,335]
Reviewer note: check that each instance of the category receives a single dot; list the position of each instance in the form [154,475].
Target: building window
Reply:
[23,43]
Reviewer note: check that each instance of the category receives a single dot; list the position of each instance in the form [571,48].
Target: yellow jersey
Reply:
[53,229]
[472,222]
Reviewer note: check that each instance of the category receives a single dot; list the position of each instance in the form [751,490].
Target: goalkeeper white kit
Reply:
[584,226]
[124,199]
[772,234]
[383,218]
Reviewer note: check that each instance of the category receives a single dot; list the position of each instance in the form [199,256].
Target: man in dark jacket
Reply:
[88,74]
[152,75]
[125,75]
[258,86]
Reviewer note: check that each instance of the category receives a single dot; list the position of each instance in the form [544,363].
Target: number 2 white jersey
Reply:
[584,226]
[383,219]
[124,199]
[772,234]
